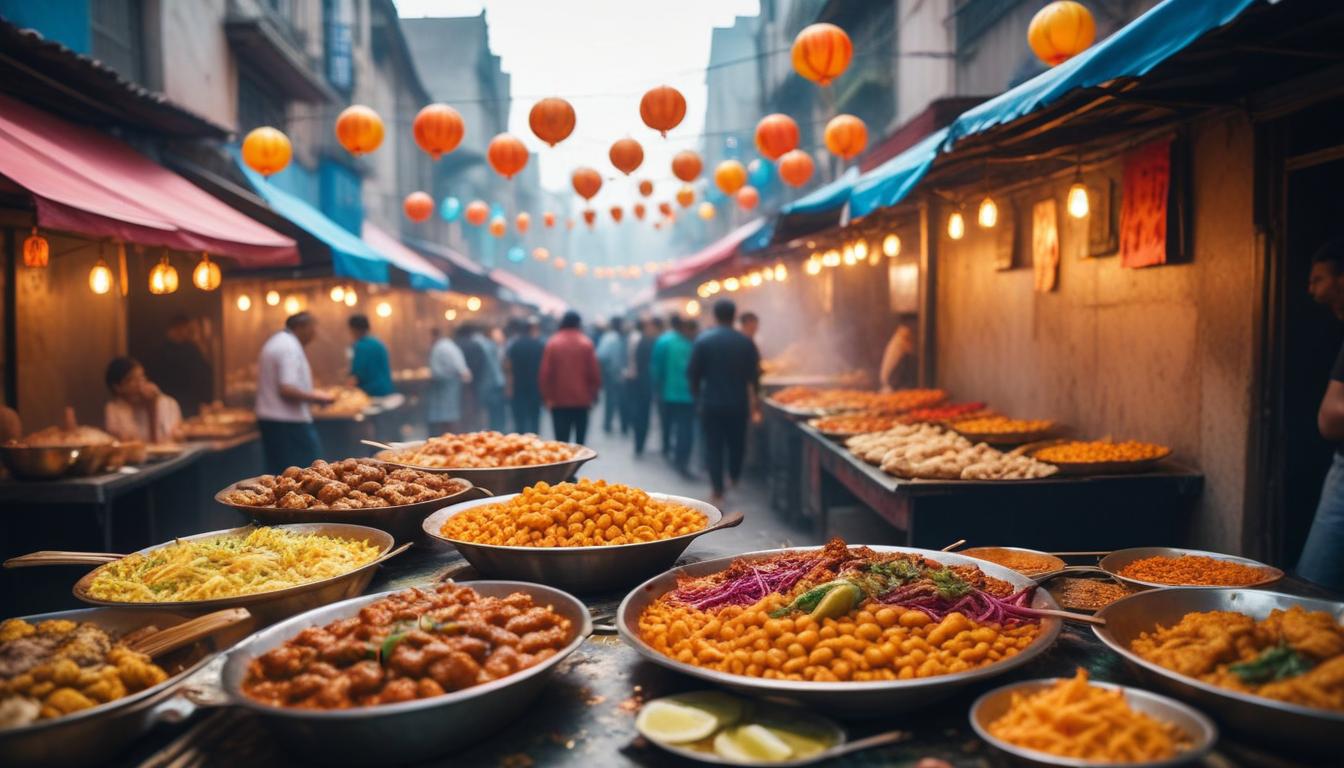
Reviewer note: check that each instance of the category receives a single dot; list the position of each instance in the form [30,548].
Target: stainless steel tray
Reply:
[502,480]
[586,570]
[861,698]
[1296,726]
[1112,563]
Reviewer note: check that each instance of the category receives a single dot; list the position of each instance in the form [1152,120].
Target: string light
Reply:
[350,298]
[100,277]
[450,314]
[831,258]
[163,277]
[206,275]
[988,214]
[693,308]
[1078,204]
[292,305]
[338,294]
[891,246]
[956,226]
[781,273]
[714,287]
[860,249]
[849,256]
[731,284]
[383,309]
[473,303]
[244,302]
[272,298]
[754,280]
[812,266]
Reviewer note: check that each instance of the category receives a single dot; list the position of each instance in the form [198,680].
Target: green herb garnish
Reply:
[809,599]
[950,586]
[1272,664]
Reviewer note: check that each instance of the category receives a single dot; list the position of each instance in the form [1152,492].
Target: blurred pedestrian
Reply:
[138,410]
[448,375]
[673,328]
[473,410]
[669,359]
[639,383]
[724,372]
[370,365]
[522,367]
[490,390]
[180,367]
[612,355]
[900,366]
[284,392]
[570,379]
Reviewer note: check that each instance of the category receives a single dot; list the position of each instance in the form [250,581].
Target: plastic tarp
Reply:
[88,182]
[710,256]
[423,275]
[1132,51]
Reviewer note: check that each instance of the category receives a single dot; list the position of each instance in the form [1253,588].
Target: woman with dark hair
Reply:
[138,411]
[569,379]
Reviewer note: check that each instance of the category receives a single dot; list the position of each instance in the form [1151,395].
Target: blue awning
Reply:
[829,197]
[1132,51]
[350,256]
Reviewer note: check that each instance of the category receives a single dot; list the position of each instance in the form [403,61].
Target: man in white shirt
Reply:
[284,392]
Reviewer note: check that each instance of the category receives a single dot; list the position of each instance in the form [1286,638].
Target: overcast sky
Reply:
[601,55]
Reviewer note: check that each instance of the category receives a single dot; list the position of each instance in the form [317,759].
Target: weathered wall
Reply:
[198,70]
[923,26]
[1160,354]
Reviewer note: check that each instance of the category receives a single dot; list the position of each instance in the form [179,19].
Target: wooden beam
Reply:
[927,335]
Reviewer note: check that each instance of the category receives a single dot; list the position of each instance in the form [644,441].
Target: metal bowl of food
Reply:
[1116,561]
[409,731]
[503,480]
[1293,725]
[94,459]
[402,521]
[853,698]
[92,736]
[1199,731]
[27,462]
[587,570]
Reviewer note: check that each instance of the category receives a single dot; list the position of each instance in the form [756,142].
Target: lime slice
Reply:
[725,708]
[839,601]
[751,744]
[672,723]
[802,745]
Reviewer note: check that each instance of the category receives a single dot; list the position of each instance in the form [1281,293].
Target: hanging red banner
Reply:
[1143,210]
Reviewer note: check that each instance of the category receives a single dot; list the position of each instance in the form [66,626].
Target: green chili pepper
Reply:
[1272,664]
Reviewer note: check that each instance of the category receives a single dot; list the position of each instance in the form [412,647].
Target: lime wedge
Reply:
[802,745]
[725,708]
[839,601]
[672,723]
[751,744]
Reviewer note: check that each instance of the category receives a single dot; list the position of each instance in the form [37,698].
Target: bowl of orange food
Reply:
[588,536]
[499,462]
[859,630]
[1265,664]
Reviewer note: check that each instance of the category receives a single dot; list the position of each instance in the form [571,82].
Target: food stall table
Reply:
[226,460]
[784,460]
[341,433]
[586,714]
[1101,512]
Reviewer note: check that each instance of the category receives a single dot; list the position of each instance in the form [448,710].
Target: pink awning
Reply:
[711,256]
[423,274]
[86,182]
[529,293]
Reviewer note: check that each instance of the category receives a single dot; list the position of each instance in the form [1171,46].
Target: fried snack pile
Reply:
[1098,451]
[346,484]
[349,401]
[589,513]
[825,399]
[1193,570]
[1296,656]
[942,413]
[1075,719]
[853,423]
[930,452]
[59,667]
[478,450]
[1002,425]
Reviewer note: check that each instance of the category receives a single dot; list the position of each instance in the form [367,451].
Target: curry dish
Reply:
[414,644]
[1295,656]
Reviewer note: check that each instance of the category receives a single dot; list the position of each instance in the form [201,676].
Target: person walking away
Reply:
[900,367]
[639,384]
[724,372]
[370,365]
[180,369]
[284,392]
[570,379]
[490,388]
[522,362]
[448,376]
[611,356]
[673,329]
[138,410]
[1322,560]
[750,325]
[668,369]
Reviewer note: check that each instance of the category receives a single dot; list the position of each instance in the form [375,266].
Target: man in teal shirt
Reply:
[667,369]
[370,368]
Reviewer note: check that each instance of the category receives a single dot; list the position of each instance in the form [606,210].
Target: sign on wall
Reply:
[1143,209]
[1045,244]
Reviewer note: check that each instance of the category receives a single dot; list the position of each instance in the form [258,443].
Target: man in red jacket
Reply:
[570,379]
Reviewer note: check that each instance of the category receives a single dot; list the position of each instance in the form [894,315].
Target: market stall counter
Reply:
[1061,512]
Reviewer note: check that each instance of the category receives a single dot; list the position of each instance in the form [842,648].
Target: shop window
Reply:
[338,49]
[257,104]
[117,32]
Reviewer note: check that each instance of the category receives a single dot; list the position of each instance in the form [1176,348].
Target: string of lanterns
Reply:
[753,279]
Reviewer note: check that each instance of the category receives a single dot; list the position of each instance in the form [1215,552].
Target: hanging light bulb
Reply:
[450,314]
[338,294]
[731,284]
[812,266]
[988,214]
[163,277]
[206,275]
[272,298]
[848,255]
[383,309]
[1078,204]
[831,258]
[956,226]
[860,249]
[693,308]
[755,279]
[702,291]
[473,303]
[891,246]
[292,305]
[350,298]
[713,286]
[781,273]
[244,302]
[100,277]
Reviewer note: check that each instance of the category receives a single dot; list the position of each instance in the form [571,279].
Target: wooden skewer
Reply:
[954,545]
[1069,615]
[376,444]
[188,632]
[59,557]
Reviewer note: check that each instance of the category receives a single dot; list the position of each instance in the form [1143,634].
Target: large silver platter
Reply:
[92,736]
[1116,561]
[862,698]
[587,570]
[410,731]
[1297,726]
[503,480]
[267,607]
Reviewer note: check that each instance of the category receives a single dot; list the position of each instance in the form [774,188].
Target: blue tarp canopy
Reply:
[829,197]
[1132,51]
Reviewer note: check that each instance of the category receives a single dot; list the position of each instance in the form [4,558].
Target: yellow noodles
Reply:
[266,560]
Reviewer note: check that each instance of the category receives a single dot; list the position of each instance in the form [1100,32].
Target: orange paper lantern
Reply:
[775,135]
[498,226]
[662,108]
[639,211]
[586,182]
[821,53]
[506,154]
[665,208]
[686,165]
[359,129]
[685,196]
[522,221]
[36,251]
[626,155]
[548,218]
[438,129]
[846,136]
[589,216]
[646,187]
[617,213]
[477,213]
[267,150]
[418,206]
[552,120]
[729,176]
[748,198]
[1060,31]
[796,167]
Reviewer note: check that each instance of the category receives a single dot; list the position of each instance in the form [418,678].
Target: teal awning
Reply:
[829,197]
[350,256]
[1132,51]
